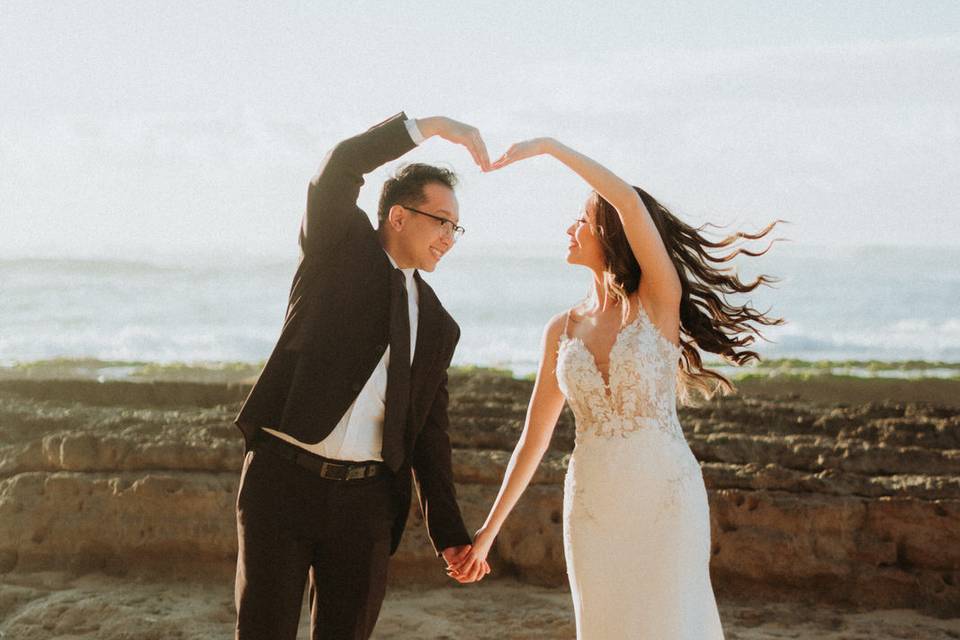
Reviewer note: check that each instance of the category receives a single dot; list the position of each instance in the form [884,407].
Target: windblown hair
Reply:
[406,186]
[707,320]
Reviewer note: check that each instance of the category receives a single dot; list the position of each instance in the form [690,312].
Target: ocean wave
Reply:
[233,310]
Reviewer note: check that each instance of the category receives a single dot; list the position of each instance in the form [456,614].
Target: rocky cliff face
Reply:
[849,503]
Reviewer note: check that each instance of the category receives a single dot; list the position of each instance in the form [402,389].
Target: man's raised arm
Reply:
[333,191]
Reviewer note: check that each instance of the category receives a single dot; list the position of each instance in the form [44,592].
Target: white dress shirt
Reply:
[414,130]
[359,433]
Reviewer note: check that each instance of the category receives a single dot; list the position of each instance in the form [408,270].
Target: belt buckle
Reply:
[323,469]
[356,472]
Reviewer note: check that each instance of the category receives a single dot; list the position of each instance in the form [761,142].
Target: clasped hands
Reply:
[468,563]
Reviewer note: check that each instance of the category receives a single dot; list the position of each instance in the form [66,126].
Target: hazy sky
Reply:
[133,129]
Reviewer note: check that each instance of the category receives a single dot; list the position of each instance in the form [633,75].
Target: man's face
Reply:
[421,239]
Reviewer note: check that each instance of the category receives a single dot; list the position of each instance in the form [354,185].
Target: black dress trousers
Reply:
[292,524]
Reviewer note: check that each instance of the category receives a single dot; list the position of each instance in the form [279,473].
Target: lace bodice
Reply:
[641,387]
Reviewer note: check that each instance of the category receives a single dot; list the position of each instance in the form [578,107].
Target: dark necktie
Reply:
[398,373]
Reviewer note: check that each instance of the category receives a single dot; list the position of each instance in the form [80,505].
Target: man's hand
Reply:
[456,555]
[457,133]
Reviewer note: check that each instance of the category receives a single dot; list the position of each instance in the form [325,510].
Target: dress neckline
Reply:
[604,379]
[565,336]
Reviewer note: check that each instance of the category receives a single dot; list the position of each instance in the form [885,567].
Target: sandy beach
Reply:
[50,605]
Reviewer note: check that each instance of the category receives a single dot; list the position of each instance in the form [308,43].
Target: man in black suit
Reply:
[352,401]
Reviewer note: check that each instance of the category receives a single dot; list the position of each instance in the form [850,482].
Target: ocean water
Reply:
[882,303]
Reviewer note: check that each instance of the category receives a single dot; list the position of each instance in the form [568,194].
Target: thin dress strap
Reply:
[566,323]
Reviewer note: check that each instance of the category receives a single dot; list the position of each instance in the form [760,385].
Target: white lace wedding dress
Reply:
[636,520]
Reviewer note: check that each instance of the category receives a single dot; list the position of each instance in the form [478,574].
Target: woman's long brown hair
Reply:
[707,320]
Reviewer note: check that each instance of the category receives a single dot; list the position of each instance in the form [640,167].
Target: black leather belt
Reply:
[324,467]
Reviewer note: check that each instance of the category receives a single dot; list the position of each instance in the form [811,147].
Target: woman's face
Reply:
[584,248]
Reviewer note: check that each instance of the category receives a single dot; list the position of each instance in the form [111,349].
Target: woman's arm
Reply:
[546,402]
[642,234]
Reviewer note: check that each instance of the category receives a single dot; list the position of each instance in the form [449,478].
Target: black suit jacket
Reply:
[337,327]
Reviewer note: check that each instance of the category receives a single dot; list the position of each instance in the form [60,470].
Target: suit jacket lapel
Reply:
[429,336]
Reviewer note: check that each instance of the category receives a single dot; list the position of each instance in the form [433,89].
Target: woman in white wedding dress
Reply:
[636,519]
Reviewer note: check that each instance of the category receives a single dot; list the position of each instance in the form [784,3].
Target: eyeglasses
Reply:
[450,227]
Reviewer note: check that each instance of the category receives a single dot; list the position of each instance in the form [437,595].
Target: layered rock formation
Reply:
[848,503]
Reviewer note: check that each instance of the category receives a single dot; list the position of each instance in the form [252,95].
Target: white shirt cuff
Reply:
[414,130]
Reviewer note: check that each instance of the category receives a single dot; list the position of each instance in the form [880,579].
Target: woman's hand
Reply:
[473,566]
[523,150]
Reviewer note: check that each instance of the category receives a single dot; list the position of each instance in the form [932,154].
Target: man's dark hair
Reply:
[406,186]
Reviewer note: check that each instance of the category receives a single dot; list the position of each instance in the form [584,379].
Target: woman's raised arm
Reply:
[642,234]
